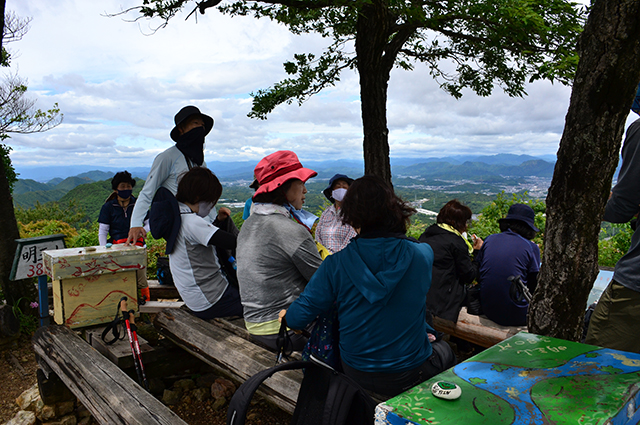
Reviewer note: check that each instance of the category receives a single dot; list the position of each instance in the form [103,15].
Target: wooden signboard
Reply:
[27,261]
[88,283]
[528,379]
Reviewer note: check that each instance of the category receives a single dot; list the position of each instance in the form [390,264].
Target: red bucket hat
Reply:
[274,170]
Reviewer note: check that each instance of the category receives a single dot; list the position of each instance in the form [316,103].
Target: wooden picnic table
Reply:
[528,379]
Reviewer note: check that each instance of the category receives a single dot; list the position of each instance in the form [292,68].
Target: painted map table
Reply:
[528,379]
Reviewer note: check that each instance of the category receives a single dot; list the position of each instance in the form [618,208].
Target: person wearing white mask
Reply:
[192,242]
[331,232]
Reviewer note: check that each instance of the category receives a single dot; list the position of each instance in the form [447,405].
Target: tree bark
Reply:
[371,38]
[12,291]
[603,90]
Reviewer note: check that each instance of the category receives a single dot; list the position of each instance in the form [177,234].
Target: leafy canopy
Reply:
[465,43]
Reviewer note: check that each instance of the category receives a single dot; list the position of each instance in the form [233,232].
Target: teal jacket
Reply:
[380,286]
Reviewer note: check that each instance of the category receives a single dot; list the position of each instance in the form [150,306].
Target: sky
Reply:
[119,85]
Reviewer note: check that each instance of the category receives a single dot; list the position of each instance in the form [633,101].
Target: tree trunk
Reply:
[603,90]
[371,39]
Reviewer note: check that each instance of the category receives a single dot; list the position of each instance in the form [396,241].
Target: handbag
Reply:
[472,300]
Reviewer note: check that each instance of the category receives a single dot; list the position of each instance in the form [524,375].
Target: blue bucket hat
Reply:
[164,217]
[522,213]
[328,190]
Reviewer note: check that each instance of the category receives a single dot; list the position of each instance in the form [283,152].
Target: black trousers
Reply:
[392,384]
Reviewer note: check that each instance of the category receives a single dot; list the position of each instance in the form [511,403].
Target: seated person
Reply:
[276,254]
[453,266]
[379,284]
[505,254]
[115,219]
[331,232]
[192,244]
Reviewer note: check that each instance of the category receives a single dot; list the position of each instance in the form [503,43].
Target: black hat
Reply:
[185,113]
[328,190]
[522,213]
[164,217]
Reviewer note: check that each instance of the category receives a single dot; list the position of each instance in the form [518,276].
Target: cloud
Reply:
[119,89]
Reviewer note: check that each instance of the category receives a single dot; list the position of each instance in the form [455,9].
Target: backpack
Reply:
[163,271]
[326,397]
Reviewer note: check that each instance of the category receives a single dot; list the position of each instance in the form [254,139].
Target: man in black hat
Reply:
[191,127]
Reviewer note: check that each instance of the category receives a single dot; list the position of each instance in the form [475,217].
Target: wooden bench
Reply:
[222,347]
[476,329]
[104,389]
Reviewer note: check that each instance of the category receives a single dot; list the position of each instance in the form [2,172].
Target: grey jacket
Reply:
[276,259]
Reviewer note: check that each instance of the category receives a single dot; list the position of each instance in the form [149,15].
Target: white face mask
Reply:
[204,208]
[338,194]
[464,235]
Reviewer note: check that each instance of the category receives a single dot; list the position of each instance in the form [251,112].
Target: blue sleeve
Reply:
[247,209]
[105,214]
[317,297]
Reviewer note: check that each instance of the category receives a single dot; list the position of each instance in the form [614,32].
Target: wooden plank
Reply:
[476,329]
[230,353]
[109,394]
[237,326]
[157,306]
[119,353]
[158,291]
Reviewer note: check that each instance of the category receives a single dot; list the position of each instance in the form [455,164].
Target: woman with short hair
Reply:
[194,264]
[453,265]
[379,286]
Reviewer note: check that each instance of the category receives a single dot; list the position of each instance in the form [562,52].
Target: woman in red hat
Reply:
[276,252]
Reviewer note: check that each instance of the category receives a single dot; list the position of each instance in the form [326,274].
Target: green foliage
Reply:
[70,212]
[237,219]
[48,227]
[155,248]
[487,222]
[86,237]
[417,228]
[615,242]
[28,321]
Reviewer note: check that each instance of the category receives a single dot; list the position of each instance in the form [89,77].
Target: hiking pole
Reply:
[131,332]
[138,352]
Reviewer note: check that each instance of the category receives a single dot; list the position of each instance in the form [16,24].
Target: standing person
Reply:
[505,254]
[379,284]
[331,232]
[276,253]
[115,219]
[191,127]
[614,321]
[453,265]
[192,243]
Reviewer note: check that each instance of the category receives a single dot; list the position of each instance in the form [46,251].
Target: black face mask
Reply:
[191,144]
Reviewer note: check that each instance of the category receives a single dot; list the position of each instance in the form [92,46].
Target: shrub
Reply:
[48,227]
